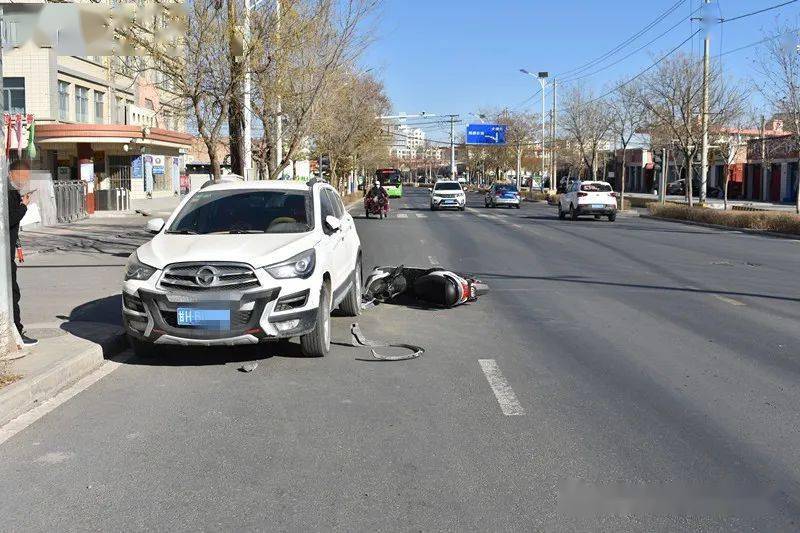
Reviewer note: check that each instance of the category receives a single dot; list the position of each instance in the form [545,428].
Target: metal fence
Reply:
[70,200]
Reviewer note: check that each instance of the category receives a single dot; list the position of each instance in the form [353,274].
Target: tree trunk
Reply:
[216,171]
[725,188]
[797,188]
[622,178]
[689,176]
[236,106]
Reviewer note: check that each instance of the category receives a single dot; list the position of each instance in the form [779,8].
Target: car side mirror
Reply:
[333,223]
[154,225]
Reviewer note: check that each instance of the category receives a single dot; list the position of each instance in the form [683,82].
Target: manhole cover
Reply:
[45,333]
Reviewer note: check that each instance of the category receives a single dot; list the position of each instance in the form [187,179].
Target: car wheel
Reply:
[597,217]
[143,349]
[318,342]
[462,208]
[573,213]
[367,214]
[612,217]
[561,214]
[433,207]
[518,206]
[351,305]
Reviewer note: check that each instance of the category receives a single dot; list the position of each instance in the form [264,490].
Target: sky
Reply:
[461,56]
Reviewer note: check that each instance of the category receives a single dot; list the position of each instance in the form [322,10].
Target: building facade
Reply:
[95,120]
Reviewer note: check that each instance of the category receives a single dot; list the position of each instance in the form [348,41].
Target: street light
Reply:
[542,77]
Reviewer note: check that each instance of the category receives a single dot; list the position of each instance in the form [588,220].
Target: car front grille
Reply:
[195,277]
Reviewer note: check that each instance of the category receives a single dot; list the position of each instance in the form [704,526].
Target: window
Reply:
[9,30]
[81,104]
[237,211]
[325,207]
[336,203]
[120,111]
[596,187]
[14,95]
[63,100]
[99,107]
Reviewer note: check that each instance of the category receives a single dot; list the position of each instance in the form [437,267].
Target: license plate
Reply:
[204,318]
[598,206]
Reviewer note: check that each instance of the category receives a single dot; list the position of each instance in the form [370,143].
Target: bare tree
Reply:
[317,40]
[779,83]
[588,122]
[672,95]
[347,126]
[628,116]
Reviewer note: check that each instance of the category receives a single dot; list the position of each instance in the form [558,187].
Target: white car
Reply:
[448,194]
[588,198]
[243,263]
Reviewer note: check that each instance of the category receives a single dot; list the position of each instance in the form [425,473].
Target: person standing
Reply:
[17,207]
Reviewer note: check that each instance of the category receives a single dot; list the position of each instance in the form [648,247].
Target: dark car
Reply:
[678,188]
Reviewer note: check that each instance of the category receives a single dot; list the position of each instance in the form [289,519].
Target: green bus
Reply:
[392,181]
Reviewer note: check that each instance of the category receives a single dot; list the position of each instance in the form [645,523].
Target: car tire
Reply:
[612,217]
[143,349]
[561,214]
[433,207]
[573,213]
[351,305]
[597,217]
[367,213]
[318,342]
[518,206]
[462,208]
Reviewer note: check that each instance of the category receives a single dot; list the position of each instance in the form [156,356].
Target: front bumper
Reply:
[151,315]
[455,202]
[505,201]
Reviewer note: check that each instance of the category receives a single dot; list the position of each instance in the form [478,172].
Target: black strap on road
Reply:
[358,340]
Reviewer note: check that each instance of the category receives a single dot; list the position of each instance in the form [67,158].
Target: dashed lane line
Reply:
[502,390]
[730,301]
[402,215]
[420,215]
[433,260]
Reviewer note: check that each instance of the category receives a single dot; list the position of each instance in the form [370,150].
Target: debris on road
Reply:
[434,286]
[248,367]
[359,341]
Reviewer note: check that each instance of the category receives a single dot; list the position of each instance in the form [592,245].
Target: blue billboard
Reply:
[486,134]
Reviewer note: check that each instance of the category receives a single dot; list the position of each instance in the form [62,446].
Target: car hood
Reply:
[256,250]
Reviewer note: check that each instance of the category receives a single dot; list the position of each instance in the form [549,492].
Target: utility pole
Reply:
[453,169]
[543,83]
[554,126]
[248,116]
[279,104]
[704,148]
[662,180]
[9,345]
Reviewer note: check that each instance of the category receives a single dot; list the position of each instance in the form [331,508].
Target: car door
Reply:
[343,262]
[332,243]
[349,235]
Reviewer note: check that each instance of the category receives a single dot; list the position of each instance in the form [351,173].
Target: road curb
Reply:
[20,397]
[761,232]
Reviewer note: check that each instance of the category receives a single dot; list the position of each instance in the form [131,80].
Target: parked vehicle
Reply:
[377,206]
[502,194]
[588,198]
[392,180]
[243,263]
[678,188]
[448,194]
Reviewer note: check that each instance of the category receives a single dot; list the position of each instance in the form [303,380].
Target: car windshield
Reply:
[244,211]
[595,187]
[448,187]
[506,188]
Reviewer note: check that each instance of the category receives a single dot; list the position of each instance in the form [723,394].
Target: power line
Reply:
[759,11]
[624,43]
[569,80]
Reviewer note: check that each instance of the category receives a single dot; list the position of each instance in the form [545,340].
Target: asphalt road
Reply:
[649,371]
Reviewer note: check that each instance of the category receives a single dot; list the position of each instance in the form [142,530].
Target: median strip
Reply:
[502,390]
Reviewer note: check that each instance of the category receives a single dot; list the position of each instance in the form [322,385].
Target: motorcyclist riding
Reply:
[377,191]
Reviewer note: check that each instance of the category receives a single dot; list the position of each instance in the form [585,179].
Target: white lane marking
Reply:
[420,215]
[729,300]
[433,260]
[26,419]
[402,215]
[516,226]
[502,390]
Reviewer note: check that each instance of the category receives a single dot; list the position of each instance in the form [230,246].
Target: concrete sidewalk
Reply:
[717,203]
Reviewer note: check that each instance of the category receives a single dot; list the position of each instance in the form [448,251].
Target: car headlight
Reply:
[299,266]
[135,269]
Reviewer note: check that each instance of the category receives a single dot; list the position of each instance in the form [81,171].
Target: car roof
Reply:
[594,181]
[259,185]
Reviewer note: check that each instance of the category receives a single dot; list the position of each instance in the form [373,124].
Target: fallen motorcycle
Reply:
[376,206]
[434,286]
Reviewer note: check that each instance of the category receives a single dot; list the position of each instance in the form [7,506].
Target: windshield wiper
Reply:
[182,232]
[236,231]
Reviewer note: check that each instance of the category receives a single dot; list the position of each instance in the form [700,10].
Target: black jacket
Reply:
[16,210]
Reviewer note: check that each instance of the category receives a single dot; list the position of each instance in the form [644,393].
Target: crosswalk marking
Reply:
[420,215]
[402,215]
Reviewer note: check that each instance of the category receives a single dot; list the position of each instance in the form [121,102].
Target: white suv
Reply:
[588,198]
[242,263]
[448,194]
